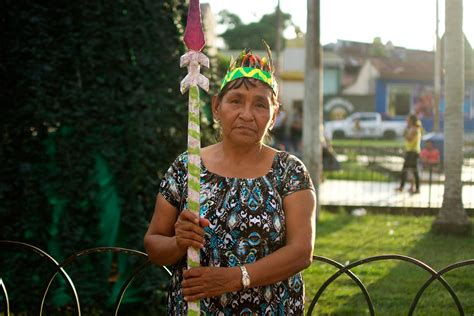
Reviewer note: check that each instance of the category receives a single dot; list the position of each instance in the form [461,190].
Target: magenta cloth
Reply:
[193,35]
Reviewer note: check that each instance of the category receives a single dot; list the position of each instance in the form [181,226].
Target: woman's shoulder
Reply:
[287,158]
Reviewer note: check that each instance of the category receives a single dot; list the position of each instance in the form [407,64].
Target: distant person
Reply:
[278,131]
[296,128]
[429,155]
[412,135]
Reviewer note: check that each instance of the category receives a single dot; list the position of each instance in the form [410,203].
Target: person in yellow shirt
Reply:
[412,137]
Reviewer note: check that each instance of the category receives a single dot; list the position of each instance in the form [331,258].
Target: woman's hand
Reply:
[189,230]
[202,282]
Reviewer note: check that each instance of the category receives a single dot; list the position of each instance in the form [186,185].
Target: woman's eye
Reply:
[261,105]
[235,101]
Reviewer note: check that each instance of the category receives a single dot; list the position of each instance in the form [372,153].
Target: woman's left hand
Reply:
[202,282]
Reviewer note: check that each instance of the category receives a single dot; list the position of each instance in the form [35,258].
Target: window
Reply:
[399,99]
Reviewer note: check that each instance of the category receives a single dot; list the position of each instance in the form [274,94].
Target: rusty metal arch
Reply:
[5,294]
[48,258]
[451,267]
[352,276]
[89,251]
[411,260]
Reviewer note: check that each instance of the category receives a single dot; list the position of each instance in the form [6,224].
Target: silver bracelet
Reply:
[245,278]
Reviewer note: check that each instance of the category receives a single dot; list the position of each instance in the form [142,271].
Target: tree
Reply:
[313,96]
[452,217]
[239,35]
[91,118]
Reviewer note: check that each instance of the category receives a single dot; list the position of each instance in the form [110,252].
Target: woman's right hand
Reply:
[189,230]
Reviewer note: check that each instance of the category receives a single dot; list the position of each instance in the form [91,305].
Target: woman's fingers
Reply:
[204,222]
[189,230]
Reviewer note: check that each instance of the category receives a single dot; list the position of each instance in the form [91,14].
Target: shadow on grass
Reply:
[332,223]
[394,284]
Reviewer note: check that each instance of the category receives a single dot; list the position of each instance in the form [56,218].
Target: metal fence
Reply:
[59,268]
[369,177]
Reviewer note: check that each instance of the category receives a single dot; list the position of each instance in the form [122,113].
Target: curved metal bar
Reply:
[50,259]
[83,253]
[433,277]
[130,279]
[7,302]
[352,276]
[418,263]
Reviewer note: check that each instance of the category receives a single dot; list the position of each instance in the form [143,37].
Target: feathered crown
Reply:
[250,65]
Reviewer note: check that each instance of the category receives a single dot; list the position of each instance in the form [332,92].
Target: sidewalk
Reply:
[368,193]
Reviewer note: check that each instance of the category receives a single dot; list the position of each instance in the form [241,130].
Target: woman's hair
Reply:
[247,82]
[414,120]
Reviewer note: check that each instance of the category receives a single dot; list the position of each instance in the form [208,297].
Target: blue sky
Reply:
[408,23]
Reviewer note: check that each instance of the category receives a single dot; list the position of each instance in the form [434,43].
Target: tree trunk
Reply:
[452,217]
[313,97]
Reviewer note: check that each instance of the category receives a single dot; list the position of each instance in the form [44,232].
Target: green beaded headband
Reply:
[249,65]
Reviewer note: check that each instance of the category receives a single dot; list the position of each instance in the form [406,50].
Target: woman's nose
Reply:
[246,112]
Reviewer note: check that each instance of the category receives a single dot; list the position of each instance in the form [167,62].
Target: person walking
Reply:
[412,135]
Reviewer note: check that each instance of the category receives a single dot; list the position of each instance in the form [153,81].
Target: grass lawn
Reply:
[377,143]
[352,170]
[392,284]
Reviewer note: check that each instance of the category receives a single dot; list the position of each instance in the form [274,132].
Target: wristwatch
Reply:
[245,278]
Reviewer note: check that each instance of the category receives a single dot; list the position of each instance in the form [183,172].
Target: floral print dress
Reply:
[247,223]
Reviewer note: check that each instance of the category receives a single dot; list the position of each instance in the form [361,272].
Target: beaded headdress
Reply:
[250,65]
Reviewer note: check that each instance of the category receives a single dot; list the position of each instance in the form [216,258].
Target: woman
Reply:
[412,137]
[256,229]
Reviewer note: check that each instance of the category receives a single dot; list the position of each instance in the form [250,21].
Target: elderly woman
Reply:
[257,213]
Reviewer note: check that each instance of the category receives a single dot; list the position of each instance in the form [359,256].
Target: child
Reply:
[429,155]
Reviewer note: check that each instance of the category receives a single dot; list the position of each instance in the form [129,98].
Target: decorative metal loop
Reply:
[351,275]
[48,258]
[6,310]
[414,261]
[437,276]
[87,252]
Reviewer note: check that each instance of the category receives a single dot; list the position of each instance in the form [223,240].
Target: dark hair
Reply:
[413,119]
[247,82]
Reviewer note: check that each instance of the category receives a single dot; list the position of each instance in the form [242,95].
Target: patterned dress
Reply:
[247,223]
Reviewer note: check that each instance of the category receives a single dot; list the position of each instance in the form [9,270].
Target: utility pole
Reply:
[437,75]
[278,40]
[313,96]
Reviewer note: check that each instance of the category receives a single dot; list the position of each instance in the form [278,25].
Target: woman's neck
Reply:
[238,161]
[241,154]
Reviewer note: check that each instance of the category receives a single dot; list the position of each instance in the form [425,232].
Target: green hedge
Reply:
[92,117]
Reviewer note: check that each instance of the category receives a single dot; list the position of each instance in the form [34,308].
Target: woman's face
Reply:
[245,113]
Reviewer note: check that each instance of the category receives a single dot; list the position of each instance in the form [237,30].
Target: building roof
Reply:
[390,68]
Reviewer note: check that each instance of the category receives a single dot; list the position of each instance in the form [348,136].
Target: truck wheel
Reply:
[338,134]
[389,135]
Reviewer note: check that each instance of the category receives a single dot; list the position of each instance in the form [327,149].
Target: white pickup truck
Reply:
[364,125]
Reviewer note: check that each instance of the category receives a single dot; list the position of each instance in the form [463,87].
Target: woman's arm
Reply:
[295,256]
[168,237]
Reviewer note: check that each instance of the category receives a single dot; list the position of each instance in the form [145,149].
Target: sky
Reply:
[406,23]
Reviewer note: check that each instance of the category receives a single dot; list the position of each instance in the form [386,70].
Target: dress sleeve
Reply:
[173,183]
[296,177]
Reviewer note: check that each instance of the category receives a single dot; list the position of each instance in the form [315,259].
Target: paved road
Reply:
[343,192]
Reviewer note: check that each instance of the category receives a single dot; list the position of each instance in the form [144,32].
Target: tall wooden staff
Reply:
[193,59]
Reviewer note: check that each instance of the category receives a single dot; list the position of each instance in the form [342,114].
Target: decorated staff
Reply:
[193,59]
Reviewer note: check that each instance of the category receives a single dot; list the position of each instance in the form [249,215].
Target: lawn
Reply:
[376,143]
[392,284]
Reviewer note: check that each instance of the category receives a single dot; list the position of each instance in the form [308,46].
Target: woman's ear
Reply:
[215,107]
[273,119]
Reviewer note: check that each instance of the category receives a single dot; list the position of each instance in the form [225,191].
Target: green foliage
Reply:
[239,35]
[92,117]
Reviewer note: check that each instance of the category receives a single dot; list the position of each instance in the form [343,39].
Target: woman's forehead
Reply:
[260,90]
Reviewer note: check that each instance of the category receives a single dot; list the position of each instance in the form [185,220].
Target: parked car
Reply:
[364,125]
